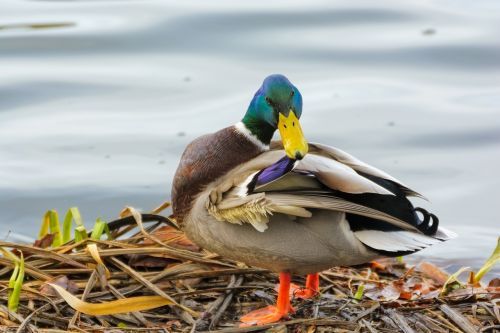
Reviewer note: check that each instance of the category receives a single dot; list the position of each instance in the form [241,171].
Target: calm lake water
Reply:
[99,98]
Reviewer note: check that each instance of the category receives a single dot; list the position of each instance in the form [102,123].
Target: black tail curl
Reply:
[430,222]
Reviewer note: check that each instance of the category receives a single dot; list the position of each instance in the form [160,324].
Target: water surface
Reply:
[99,98]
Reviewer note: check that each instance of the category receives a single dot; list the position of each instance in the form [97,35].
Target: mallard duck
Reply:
[291,206]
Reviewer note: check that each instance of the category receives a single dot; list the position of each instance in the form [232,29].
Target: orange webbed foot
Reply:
[269,314]
[304,293]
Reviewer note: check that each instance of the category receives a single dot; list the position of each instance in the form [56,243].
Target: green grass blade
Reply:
[359,293]
[67,226]
[44,228]
[55,227]
[80,233]
[14,275]
[15,295]
[73,214]
[488,265]
[98,229]
[107,231]
[453,281]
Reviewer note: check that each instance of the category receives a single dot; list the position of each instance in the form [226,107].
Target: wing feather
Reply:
[327,178]
[336,204]
[338,176]
[358,165]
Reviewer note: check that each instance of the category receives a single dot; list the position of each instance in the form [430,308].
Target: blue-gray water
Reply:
[99,98]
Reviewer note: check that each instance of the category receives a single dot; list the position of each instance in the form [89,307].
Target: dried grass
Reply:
[210,293]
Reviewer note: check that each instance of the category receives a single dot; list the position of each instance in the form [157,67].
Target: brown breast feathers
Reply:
[206,159]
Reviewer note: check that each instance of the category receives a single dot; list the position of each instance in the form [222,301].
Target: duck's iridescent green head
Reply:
[277,105]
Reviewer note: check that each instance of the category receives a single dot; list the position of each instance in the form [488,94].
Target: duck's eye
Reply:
[292,93]
[269,102]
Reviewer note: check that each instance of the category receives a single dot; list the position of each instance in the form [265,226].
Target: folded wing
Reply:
[375,203]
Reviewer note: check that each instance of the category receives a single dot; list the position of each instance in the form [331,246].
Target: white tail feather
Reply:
[395,241]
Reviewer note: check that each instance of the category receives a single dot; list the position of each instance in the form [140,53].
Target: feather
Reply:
[336,204]
[235,202]
[253,209]
[444,234]
[319,181]
[292,210]
[274,171]
[358,165]
[292,181]
[395,241]
[338,176]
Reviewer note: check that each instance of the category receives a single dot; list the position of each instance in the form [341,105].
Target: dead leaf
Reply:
[422,288]
[173,237]
[391,293]
[45,242]
[169,325]
[387,293]
[431,295]
[467,292]
[161,207]
[377,265]
[125,305]
[190,283]
[60,280]
[494,287]
[433,272]
[148,261]
[494,283]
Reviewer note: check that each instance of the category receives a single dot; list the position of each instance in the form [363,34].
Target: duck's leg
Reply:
[272,313]
[311,288]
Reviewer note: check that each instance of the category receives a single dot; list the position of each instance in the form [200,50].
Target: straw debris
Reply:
[148,263]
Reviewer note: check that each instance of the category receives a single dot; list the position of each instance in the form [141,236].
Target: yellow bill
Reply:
[291,134]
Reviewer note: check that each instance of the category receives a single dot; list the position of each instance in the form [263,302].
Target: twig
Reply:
[368,326]
[227,298]
[367,311]
[86,292]
[400,321]
[127,269]
[458,319]
[40,309]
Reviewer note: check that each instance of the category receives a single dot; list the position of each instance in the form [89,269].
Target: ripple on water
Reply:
[463,139]
[14,96]
[98,99]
